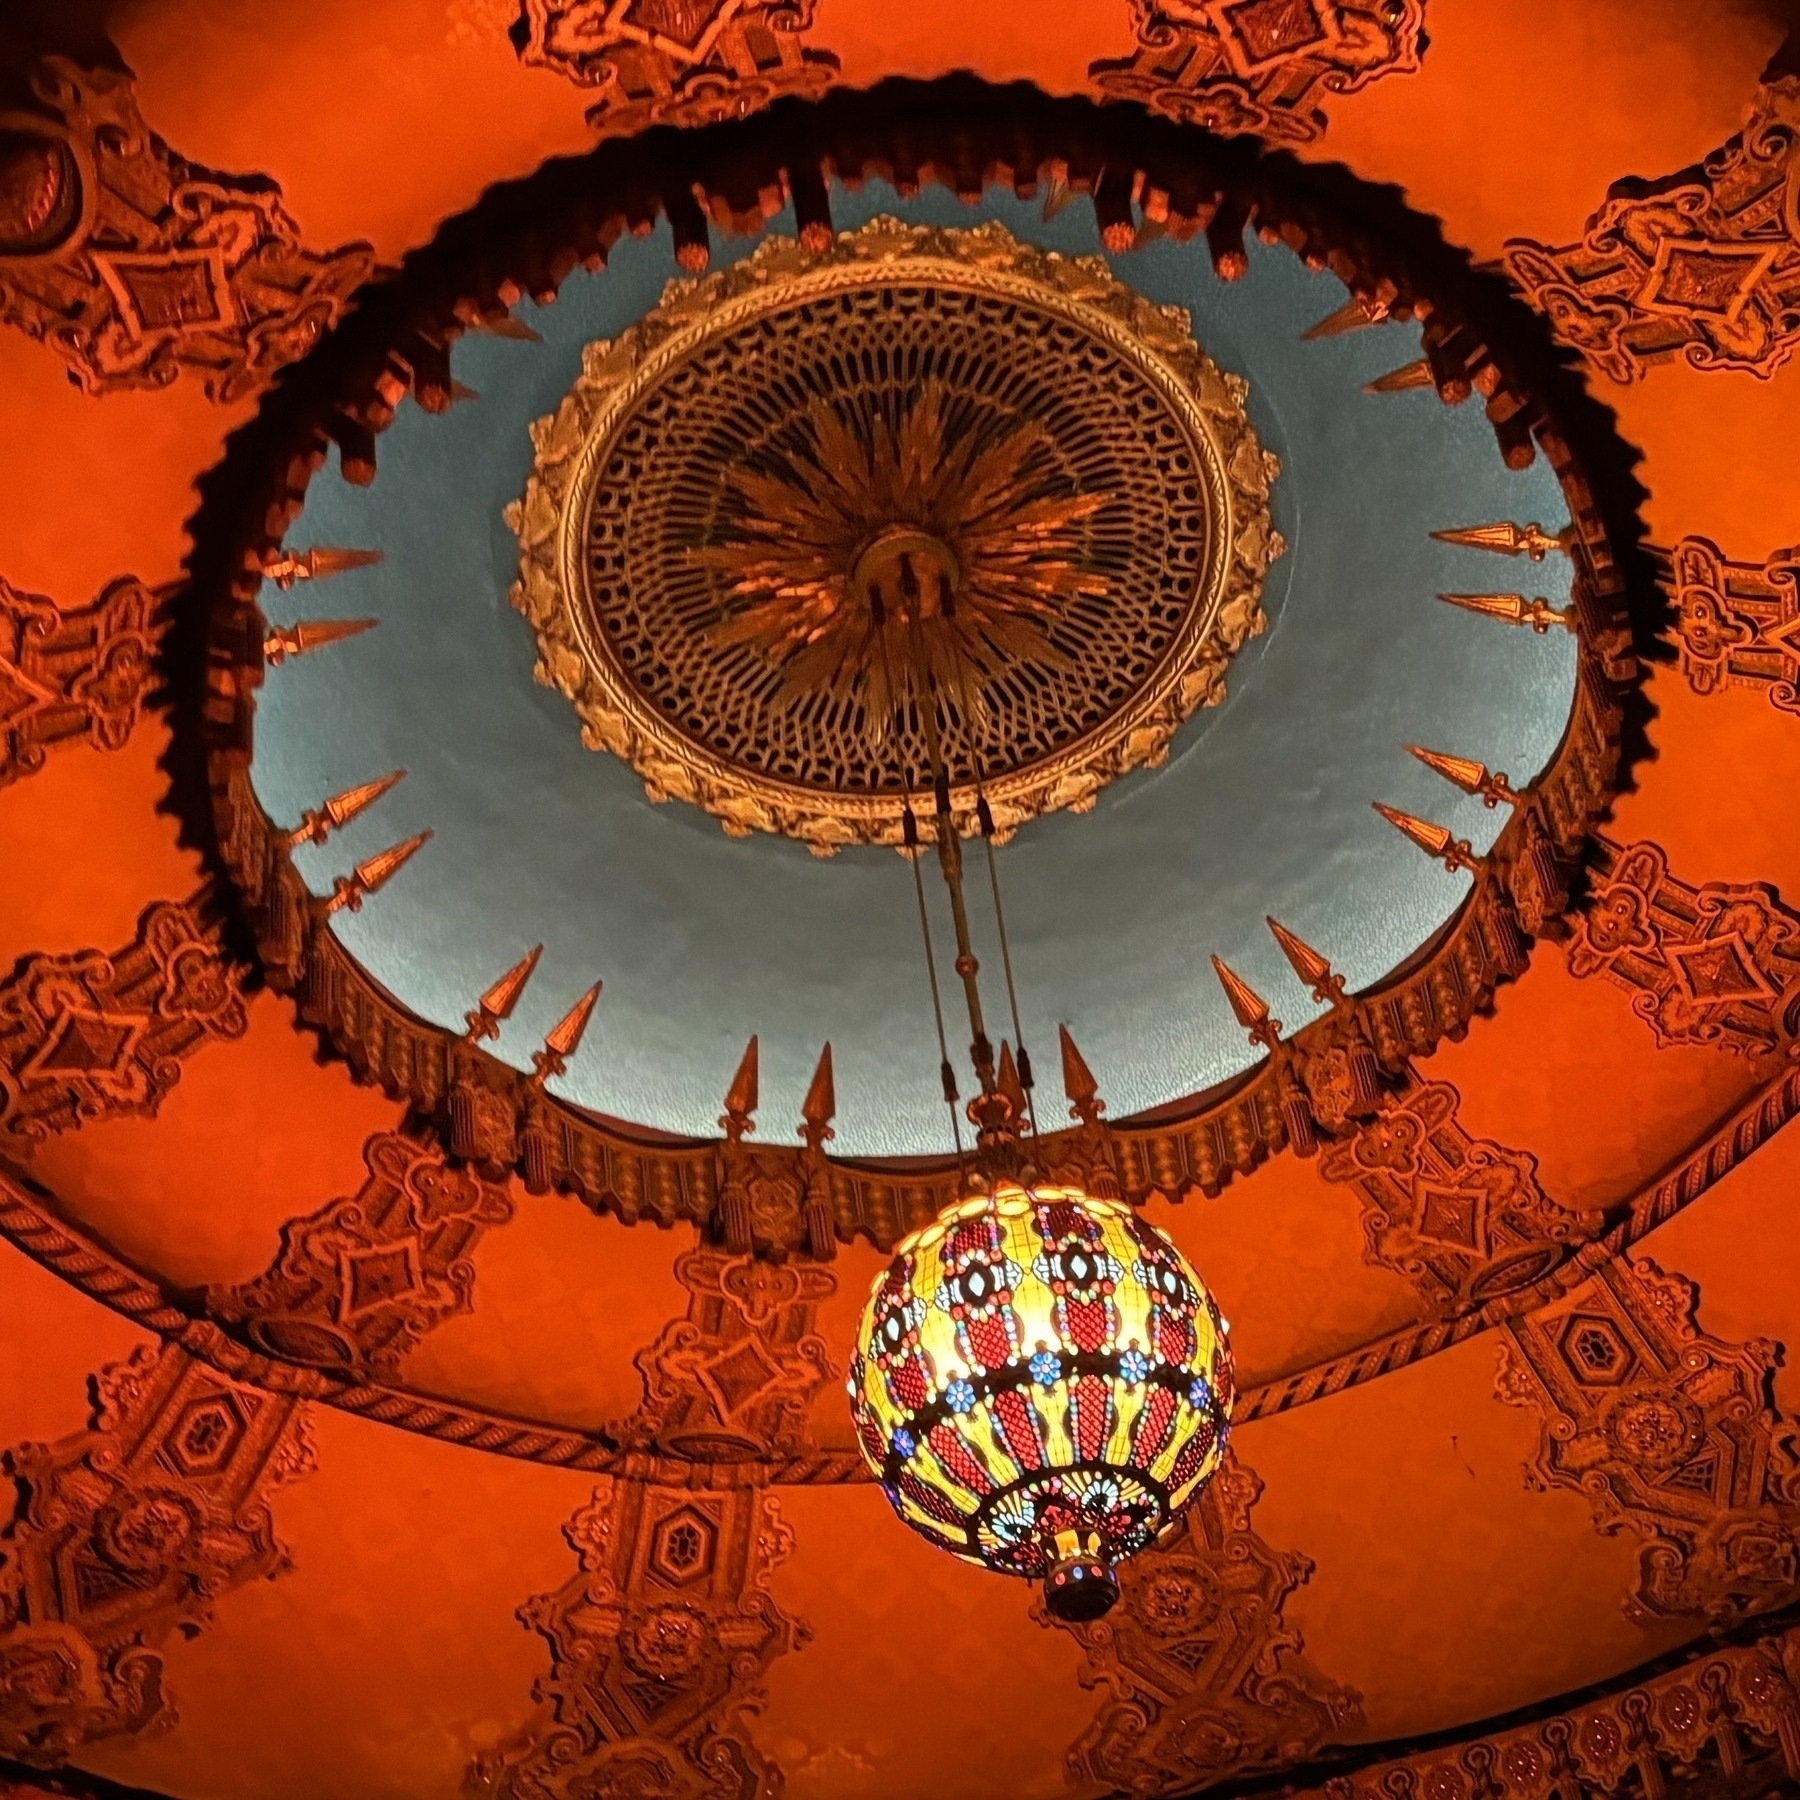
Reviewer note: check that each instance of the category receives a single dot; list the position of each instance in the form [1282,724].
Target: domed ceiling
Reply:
[1261,803]
[482,480]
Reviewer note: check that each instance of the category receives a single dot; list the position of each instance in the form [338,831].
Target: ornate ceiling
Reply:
[422,1359]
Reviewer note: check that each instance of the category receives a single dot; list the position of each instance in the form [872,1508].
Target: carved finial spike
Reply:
[1507,539]
[315,564]
[1079,1085]
[317,823]
[819,1107]
[741,1097]
[1435,840]
[498,1002]
[1402,380]
[1248,1006]
[566,1035]
[1461,771]
[308,635]
[1472,777]
[1353,315]
[1515,609]
[373,873]
[1326,985]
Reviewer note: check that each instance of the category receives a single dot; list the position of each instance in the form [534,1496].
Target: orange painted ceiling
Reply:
[1438,1521]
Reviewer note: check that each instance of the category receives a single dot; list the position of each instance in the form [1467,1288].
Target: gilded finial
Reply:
[308,635]
[1508,540]
[1403,379]
[318,822]
[1472,777]
[741,1098]
[819,1107]
[1079,1085]
[372,874]
[1435,840]
[1515,609]
[315,564]
[1248,1007]
[565,1038]
[497,1004]
[1326,984]
[1353,315]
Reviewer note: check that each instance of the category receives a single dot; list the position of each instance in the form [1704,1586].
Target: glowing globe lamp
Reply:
[1041,1384]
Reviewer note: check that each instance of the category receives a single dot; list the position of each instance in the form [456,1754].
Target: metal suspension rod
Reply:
[949,845]
[1012,996]
[910,840]
[946,1069]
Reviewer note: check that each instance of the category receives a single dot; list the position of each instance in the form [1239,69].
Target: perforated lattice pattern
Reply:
[662,491]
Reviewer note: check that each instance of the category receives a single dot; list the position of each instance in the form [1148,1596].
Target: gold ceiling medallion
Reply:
[799,480]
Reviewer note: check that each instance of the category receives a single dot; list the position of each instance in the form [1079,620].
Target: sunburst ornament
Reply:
[871,548]
[754,495]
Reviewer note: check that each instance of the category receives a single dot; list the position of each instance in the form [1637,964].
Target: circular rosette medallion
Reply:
[805,491]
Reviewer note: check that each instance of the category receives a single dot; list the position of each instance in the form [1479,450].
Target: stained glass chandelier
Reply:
[1040,1383]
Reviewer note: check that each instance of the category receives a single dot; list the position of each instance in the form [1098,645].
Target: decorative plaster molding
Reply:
[1670,1433]
[1731,1713]
[1737,624]
[506,1120]
[359,1282]
[29,1219]
[132,263]
[1464,1219]
[91,1035]
[73,677]
[688,706]
[1203,1678]
[1703,264]
[129,1531]
[1717,965]
[734,1380]
[675,62]
[1261,66]
[1692,1175]
[658,1647]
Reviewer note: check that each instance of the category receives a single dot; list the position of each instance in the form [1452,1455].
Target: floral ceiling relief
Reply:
[735,1379]
[359,1282]
[1202,1678]
[1261,66]
[130,1531]
[1671,1434]
[1716,965]
[73,677]
[133,264]
[92,1034]
[658,1646]
[1068,449]
[1703,264]
[1731,1713]
[675,62]
[1464,1219]
[1737,623]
